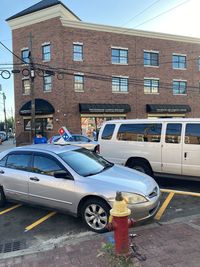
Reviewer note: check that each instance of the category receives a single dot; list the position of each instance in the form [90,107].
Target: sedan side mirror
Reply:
[63,175]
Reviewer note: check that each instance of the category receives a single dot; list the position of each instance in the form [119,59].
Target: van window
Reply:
[173,133]
[108,131]
[192,133]
[147,132]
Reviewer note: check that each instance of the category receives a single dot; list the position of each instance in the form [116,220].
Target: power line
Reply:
[162,13]
[141,12]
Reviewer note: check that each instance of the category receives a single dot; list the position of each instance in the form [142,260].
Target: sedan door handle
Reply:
[1,172]
[34,179]
[185,154]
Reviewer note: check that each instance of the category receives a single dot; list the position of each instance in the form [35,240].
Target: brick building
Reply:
[87,73]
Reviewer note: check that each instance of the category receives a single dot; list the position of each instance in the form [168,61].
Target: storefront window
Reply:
[89,124]
[41,124]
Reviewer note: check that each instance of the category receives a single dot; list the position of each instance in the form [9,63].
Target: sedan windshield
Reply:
[85,162]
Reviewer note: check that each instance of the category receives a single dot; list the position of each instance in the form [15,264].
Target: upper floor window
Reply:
[151,58]
[151,86]
[119,56]
[46,52]
[78,83]
[179,87]
[179,62]
[119,84]
[25,56]
[26,89]
[199,63]
[47,83]
[78,52]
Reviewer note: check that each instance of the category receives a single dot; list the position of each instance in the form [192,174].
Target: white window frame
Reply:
[121,77]
[152,78]
[181,55]
[155,52]
[23,91]
[46,44]
[119,48]
[179,80]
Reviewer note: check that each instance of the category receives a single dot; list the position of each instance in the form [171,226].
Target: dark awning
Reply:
[104,108]
[165,108]
[42,107]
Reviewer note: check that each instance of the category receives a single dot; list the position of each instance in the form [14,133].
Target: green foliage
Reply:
[114,260]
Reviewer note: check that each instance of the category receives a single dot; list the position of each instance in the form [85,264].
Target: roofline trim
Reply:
[128,31]
[42,15]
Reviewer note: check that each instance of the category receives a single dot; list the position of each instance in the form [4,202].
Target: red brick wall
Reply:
[97,59]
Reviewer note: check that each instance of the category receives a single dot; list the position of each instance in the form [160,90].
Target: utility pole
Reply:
[32,93]
[4,110]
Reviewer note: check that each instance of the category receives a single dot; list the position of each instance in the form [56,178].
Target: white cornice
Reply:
[126,31]
[42,15]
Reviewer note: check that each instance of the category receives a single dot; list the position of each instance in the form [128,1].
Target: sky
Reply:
[179,17]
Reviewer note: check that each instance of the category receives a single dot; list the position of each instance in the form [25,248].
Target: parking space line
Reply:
[41,220]
[180,192]
[9,209]
[164,206]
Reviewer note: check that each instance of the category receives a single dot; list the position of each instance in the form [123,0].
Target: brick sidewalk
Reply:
[174,244]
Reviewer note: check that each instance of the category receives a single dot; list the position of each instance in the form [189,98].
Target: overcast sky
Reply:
[180,17]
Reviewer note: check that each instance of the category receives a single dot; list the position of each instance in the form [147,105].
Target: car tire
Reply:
[141,166]
[2,197]
[95,214]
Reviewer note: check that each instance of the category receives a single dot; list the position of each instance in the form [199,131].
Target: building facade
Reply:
[86,73]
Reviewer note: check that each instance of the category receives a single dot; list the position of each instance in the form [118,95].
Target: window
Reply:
[45,165]
[47,83]
[78,52]
[192,133]
[108,132]
[151,58]
[199,63]
[179,87]
[179,62]
[46,52]
[19,161]
[119,56]
[151,86]
[3,161]
[140,132]
[78,83]
[173,133]
[26,89]
[119,84]
[25,56]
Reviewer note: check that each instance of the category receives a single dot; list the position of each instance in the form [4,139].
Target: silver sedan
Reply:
[74,180]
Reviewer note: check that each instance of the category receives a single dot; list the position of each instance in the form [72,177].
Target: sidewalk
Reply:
[176,243]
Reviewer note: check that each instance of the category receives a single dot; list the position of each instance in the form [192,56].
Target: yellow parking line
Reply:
[164,206]
[33,225]
[180,192]
[9,209]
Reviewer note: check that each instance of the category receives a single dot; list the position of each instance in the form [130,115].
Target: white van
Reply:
[158,147]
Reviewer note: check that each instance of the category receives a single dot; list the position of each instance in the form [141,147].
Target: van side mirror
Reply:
[63,175]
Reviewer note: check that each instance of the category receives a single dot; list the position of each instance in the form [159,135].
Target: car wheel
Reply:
[95,214]
[141,166]
[2,197]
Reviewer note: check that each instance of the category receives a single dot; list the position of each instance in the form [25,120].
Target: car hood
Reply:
[120,178]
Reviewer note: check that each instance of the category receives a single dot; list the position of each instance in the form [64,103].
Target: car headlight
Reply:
[133,198]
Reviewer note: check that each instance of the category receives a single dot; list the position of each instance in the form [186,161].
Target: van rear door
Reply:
[191,150]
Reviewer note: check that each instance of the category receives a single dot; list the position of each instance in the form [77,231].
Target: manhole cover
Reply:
[12,246]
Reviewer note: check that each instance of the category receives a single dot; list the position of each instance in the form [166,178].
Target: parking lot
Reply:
[31,226]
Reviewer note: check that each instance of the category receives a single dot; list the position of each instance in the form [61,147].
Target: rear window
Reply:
[192,134]
[147,132]
[108,131]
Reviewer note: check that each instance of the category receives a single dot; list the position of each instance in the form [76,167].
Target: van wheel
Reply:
[141,166]
[2,197]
